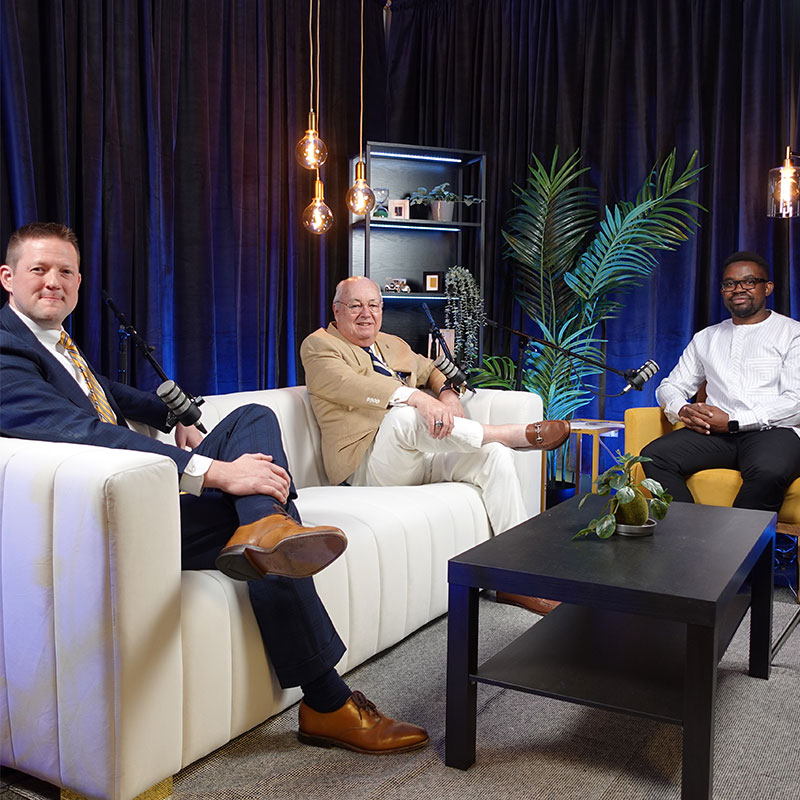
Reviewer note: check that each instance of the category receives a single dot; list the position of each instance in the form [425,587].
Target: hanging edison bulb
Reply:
[360,198]
[784,189]
[317,217]
[311,151]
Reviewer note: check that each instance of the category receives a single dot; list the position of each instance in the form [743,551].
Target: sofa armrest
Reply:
[89,615]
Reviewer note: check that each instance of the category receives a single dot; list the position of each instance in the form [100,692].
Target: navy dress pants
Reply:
[769,461]
[298,634]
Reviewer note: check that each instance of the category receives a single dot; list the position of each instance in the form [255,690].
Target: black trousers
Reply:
[769,461]
[298,635]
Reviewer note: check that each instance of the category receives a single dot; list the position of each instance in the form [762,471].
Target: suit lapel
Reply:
[54,372]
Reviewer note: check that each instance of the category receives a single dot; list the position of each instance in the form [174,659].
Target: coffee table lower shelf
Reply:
[605,659]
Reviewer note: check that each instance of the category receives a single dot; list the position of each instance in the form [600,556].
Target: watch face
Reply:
[733,426]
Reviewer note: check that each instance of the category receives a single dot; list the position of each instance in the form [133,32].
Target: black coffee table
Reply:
[642,625]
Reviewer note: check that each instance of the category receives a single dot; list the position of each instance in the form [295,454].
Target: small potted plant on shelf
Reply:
[441,200]
[627,510]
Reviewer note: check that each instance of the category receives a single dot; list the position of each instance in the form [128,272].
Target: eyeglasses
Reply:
[356,308]
[746,283]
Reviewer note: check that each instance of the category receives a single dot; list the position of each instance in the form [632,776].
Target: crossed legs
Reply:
[769,461]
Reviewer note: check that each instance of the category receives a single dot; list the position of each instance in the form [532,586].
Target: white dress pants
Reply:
[405,454]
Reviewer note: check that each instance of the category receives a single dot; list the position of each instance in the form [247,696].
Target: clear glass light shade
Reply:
[360,198]
[317,217]
[311,151]
[784,192]
[783,199]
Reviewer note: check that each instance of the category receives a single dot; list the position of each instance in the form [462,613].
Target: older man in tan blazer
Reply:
[379,427]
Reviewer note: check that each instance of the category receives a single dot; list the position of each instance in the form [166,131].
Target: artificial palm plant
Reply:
[571,270]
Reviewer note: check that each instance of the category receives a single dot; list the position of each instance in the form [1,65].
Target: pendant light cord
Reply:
[310,58]
[319,126]
[361,90]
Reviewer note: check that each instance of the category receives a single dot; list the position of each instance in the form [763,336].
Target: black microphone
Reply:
[445,362]
[183,406]
[638,377]
[451,371]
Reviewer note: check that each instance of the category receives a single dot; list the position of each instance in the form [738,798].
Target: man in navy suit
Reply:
[238,489]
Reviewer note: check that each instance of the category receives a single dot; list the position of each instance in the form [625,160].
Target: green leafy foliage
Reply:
[421,196]
[572,270]
[619,478]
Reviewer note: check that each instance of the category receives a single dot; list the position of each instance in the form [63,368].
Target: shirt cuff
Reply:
[401,395]
[194,474]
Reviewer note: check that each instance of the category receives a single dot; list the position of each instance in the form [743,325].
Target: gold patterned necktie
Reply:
[96,393]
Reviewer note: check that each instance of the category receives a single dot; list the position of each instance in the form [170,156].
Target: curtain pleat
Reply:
[163,131]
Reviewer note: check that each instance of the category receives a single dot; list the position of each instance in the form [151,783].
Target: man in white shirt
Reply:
[750,420]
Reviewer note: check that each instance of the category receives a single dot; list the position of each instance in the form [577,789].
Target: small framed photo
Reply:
[433,281]
[398,209]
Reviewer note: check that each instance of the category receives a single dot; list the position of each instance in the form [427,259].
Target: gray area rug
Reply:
[527,746]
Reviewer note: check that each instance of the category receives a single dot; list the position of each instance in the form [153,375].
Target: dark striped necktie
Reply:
[96,393]
[378,365]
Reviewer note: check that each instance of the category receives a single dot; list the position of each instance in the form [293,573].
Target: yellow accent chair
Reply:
[712,487]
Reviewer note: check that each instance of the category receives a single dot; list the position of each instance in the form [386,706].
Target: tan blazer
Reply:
[349,398]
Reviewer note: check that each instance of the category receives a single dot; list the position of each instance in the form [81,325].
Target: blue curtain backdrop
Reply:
[163,132]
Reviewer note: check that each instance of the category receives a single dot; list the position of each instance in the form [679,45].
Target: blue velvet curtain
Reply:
[163,131]
[626,82]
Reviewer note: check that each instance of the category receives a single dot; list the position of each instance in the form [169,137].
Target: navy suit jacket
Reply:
[39,399]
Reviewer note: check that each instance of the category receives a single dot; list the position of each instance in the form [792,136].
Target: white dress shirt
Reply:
[192,478]
[752,372]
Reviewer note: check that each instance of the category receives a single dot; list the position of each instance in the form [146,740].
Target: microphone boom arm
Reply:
[189,413]
[627,374]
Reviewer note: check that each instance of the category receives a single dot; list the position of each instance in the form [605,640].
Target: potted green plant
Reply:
[571,269]
[628,506]
[464,313]
[442,200]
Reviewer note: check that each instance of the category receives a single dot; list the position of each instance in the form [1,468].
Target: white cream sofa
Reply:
[117,669]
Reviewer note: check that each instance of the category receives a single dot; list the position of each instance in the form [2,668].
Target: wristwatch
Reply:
[733,426]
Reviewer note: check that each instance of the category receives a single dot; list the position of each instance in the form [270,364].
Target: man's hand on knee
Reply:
[437,415]
[452,400]
[251,473]
[703,418]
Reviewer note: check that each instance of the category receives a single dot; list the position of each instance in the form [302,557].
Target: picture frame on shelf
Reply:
[398,209]
[433,281]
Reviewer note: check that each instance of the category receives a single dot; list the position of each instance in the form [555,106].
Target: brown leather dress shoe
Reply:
[547,434]
[279,545]
[536,604]
[359,726]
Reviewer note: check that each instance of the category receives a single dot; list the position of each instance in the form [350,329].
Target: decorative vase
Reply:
[442,210]
[637,530]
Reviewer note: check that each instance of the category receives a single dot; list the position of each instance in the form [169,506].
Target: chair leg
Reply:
[160,791]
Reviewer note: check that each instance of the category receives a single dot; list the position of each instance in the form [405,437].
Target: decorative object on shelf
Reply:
[570,276]
[441,200]
[464,313]
[311,152]
[381,196]
[783,199]
[398,209]
[360,198]
[628,508]
[433,281]
[397,285]
[317,217]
